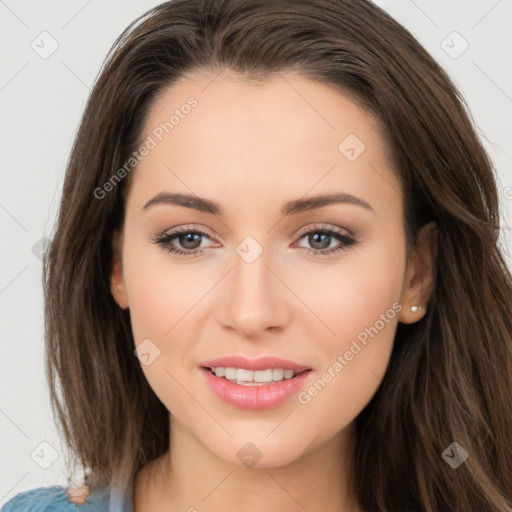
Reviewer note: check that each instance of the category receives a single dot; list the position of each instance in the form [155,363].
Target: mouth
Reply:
[254,389]
[246,377]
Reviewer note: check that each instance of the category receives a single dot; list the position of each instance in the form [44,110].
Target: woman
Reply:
[283,211]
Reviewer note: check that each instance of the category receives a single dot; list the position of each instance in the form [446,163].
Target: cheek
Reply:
[160,297]
[354,294]
[160,294]
[164,299]
[356,359]
[358,306]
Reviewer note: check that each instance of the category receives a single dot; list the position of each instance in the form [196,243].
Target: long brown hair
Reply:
[450,375]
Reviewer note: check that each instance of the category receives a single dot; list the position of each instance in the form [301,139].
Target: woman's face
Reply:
[277,273]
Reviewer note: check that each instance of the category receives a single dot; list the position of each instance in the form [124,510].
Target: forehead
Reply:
[287,105]
[286,133]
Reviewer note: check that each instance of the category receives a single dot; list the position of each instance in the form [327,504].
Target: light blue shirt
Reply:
[55,499]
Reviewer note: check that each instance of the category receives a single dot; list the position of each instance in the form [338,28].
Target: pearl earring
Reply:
[415,309]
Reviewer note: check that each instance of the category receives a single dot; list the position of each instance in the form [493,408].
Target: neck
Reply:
[189,477]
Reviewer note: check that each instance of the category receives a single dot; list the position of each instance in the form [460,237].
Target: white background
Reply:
[41,102]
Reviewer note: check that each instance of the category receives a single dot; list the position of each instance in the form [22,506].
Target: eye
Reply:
[321,238]
[188,238]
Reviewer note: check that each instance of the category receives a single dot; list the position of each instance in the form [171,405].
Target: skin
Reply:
[79,494]
[252,147]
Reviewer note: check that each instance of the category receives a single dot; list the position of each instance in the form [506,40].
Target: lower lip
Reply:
[254,397]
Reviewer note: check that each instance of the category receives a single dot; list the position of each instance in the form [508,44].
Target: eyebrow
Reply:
[290,208]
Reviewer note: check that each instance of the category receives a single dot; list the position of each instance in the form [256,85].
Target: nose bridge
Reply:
[254,299]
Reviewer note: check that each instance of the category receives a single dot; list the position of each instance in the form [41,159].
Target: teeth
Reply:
[250,377]
[245,375]
[278,373]
[230,373]
[220,372]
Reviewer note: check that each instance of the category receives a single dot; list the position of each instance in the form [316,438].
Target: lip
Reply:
[263,363]
[254,398]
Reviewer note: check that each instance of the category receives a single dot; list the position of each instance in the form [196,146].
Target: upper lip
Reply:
[263,363]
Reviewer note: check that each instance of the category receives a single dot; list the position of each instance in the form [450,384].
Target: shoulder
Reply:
[42,499]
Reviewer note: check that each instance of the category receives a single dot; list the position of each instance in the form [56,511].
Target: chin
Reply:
[257,452]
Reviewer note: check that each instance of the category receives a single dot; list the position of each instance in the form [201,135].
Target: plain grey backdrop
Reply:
[51,53]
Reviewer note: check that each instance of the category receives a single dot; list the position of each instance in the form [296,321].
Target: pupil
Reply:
[193,240]
[313,239]
[190,238]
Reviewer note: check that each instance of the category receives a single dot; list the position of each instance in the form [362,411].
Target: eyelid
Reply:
[164,239]
[326,228]
[344,236]
[185,229]
[303,231]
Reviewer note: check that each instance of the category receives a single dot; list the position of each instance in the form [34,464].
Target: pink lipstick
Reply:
[257,384]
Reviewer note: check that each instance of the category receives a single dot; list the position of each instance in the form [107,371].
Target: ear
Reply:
[117,285]
[419,278]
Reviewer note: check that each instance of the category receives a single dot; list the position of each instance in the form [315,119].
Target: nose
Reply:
[253,298]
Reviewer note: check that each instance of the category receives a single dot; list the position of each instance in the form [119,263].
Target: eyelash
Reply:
[164,240]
